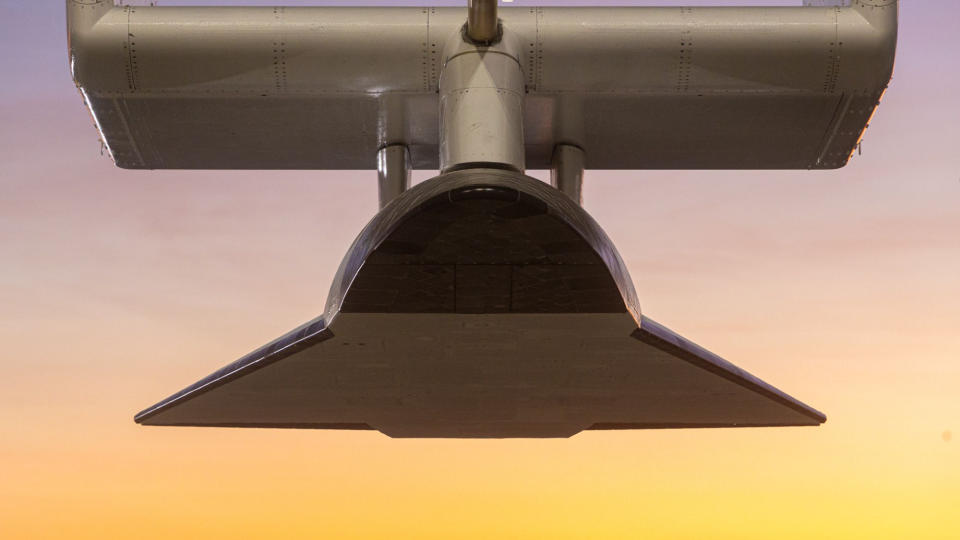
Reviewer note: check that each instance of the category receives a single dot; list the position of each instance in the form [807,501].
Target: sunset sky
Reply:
[119,287]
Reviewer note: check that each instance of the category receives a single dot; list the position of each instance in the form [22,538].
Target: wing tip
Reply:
[299,338]
[655,334]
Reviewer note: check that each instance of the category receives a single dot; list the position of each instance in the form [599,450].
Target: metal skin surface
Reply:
[481,304]
[481,104]
[635,88]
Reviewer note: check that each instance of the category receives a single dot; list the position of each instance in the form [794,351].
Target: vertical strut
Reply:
[393,171]
[566,172]
[482,20]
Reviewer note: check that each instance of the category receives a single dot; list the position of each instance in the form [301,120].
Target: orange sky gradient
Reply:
[118,288]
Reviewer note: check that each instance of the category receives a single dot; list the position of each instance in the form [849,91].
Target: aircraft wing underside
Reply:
[636,88]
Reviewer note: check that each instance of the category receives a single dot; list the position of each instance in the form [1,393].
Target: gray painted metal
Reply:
[393,172]
[481,104]
[528,363]
[636,88]
[566,171]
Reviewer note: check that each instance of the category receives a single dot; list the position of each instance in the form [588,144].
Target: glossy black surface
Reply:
[482,241]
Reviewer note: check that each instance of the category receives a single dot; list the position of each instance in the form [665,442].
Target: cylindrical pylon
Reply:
[482,20]
[393,171]
[482,88]
[566,171]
